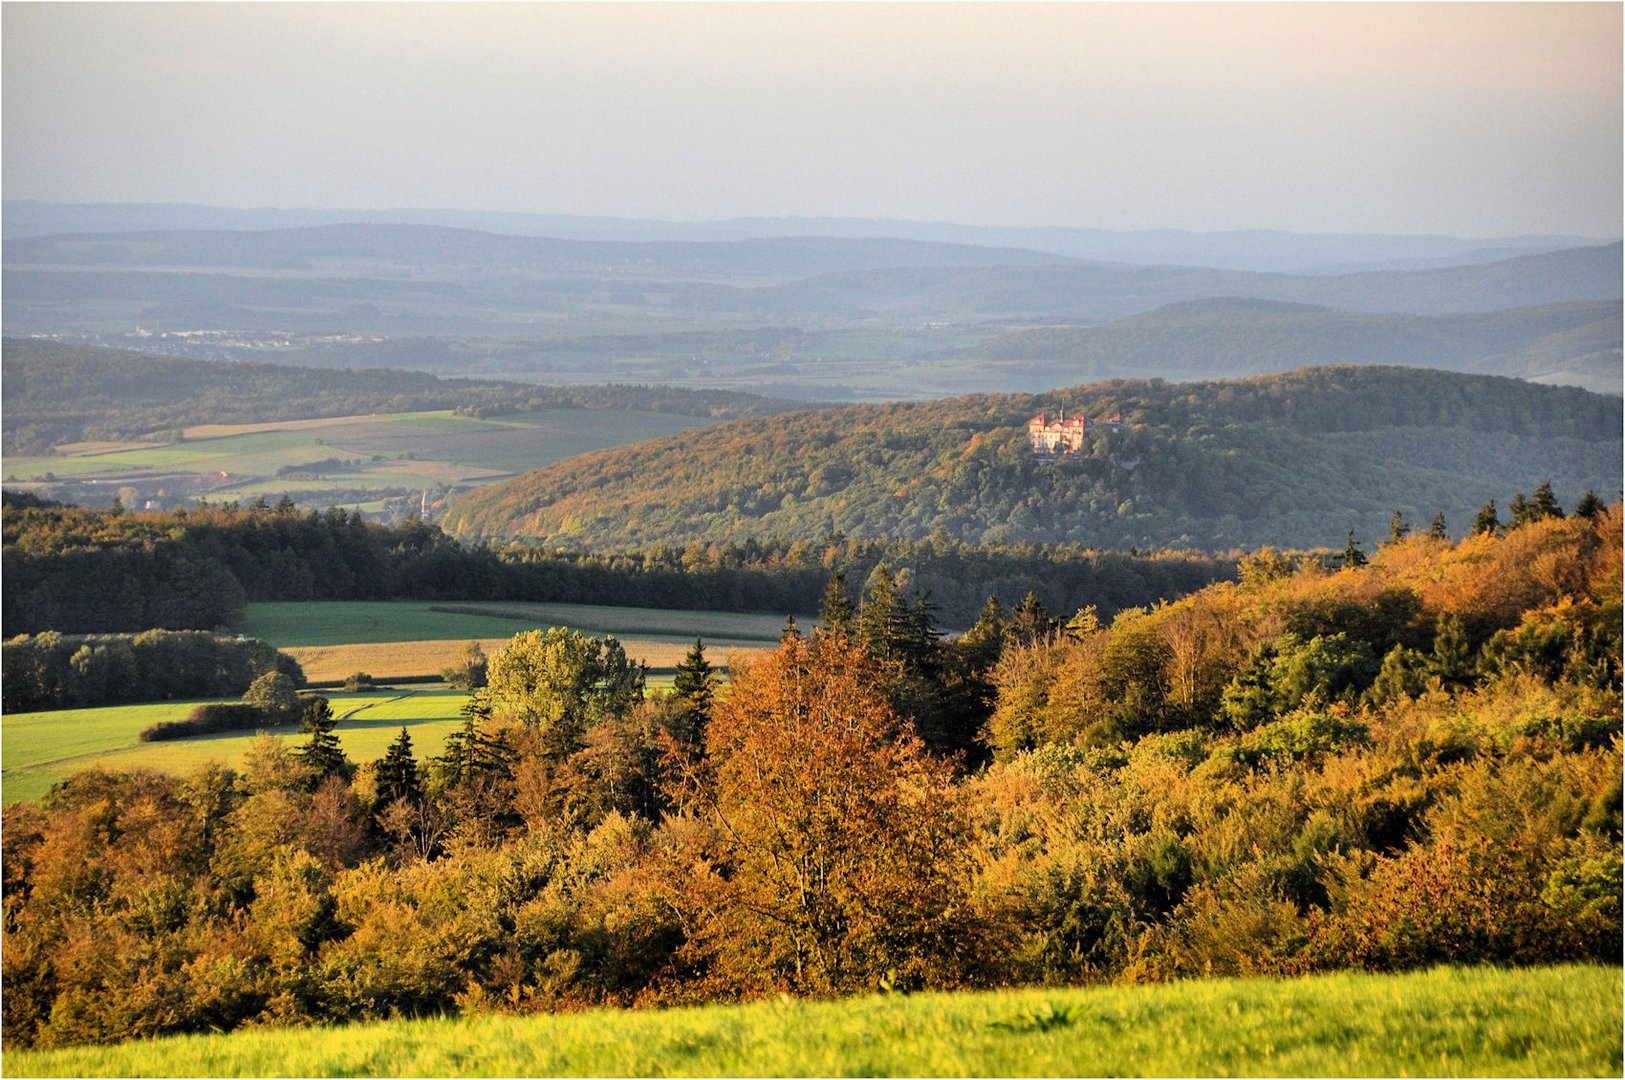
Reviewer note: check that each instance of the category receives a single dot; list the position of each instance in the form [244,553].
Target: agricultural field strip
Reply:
[358,622]
[414,659]
[479,448]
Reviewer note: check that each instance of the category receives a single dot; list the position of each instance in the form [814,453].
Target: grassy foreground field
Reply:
[1446,1022]
[41,748]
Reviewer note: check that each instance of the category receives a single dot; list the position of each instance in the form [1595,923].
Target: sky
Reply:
[1473,120]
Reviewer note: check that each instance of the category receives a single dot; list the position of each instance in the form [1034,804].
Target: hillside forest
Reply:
[1289,460]
[1406,756]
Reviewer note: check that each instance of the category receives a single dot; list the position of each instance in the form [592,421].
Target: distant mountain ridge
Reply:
[1262,250]
[1574,344]
[1290,460]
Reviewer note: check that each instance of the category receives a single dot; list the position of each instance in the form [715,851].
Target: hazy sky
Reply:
[1472,119]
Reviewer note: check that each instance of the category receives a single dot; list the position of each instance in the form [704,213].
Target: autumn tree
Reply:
[841,831]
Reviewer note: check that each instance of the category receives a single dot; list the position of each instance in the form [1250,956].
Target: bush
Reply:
[359,683]
[208,719]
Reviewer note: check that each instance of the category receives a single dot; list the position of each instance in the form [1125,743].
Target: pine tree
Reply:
[1545,504]
[791,631]
[1397,529]
[1452,653]
[1436,531]
[883,618]
[837,617]
[1523,511]
[1487,521]
[1589,506]
[693,688]
[322,752]
[1352,555]
[398,772]
[1031,623]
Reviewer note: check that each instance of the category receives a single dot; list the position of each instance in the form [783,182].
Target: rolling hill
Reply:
[1295,459]
[1576,344]
[1264,250]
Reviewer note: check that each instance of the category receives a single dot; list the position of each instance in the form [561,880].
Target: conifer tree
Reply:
[322,752]
[1436,531]
[1589,506]
[1452,653]
[1031,623]
[1487,521]
[398,772]
[1352,555]
[693,688]
[1544,504]
[837,617]
[1397,528]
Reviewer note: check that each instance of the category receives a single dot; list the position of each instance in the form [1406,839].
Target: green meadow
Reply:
[41,748]
[343,622]
[1446,1022]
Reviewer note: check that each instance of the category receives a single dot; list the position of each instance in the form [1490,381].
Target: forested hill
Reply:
[1293,460]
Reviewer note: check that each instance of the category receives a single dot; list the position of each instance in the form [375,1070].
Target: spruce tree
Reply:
[1544,503]
[1589,506]
[398,772]
[1397,529]
[322,752]
[883,622]
[693,688]
[837,616]
[1487,521]
[1436,531]
[1031,623]
[1352,555]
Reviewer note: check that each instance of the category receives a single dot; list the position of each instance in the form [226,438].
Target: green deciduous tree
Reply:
[560,682]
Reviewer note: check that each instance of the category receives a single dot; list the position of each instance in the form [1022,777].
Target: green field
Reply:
[1445,1022]
[41,748]
[357,622]
[388,452]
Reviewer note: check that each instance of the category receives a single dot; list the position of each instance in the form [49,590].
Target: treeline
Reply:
[1409,759]
[58,393]
[94,571]
[1286,460]
[60,671]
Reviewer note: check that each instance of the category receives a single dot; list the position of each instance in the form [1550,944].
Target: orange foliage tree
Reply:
[844,837]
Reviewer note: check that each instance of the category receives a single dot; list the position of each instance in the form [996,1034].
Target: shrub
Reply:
[208,719]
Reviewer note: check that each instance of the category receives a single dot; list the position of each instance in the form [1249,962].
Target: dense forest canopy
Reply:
[1408,759]
[1292,460]
[94,571]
